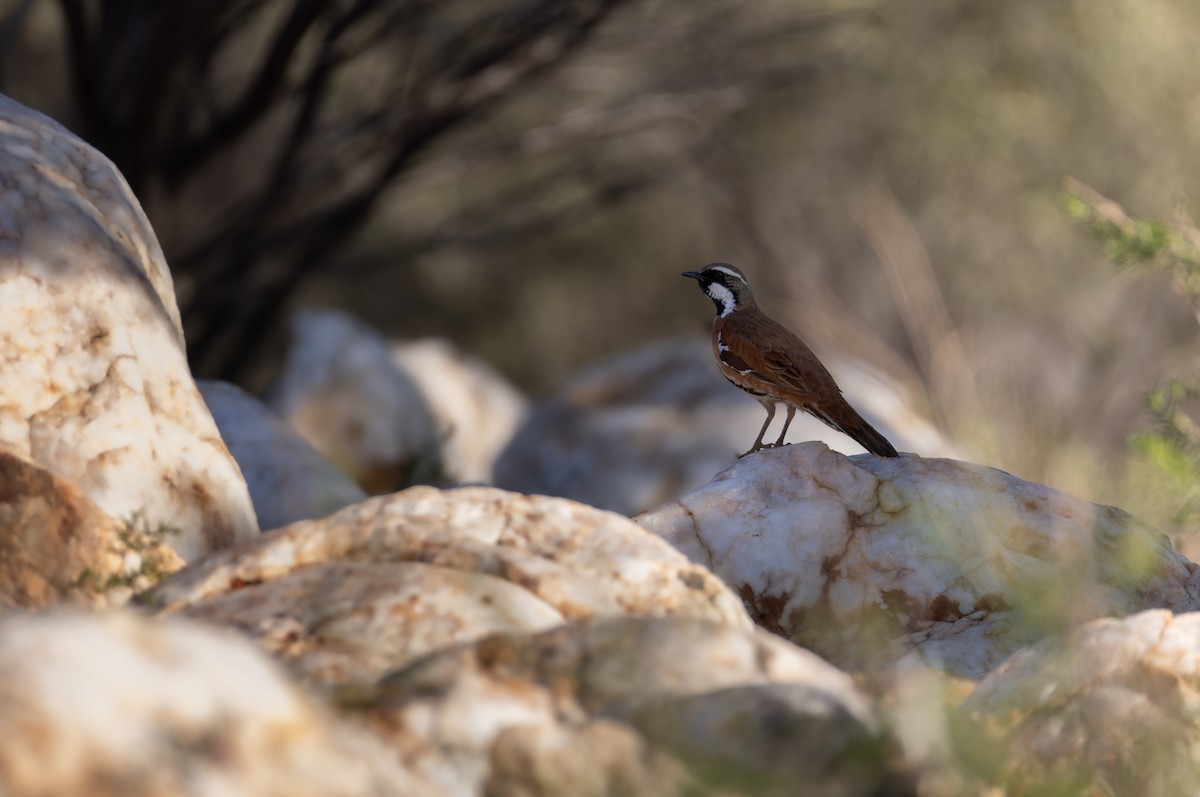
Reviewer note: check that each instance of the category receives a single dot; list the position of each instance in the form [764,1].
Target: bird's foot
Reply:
[758,447]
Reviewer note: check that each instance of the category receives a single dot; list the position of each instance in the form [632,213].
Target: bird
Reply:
[768,361]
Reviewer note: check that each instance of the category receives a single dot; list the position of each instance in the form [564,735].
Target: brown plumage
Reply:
[770,363]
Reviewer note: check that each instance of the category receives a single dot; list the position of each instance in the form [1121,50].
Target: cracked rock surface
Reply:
[631,705]
[867,559]
[381,582]
[96,381]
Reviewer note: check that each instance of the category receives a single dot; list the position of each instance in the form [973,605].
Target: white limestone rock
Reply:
[393,414]
[1108,709]
[477,410]
[392,578]
[288,479]
[354,620]
[634,705]
[868,559]
[633,432]
[115,705]
[97,386]
[341,391]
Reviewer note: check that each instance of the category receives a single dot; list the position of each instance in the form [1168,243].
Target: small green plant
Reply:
[137,535]
[140,536]
[1129,241]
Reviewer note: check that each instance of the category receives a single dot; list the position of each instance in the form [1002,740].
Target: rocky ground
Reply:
[797,622]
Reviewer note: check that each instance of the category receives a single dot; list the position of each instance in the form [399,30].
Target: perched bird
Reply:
[770,363]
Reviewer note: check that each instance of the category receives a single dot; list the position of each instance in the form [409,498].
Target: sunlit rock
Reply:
[397,576]
[477,411]
[639,430]
[1109,709]
[393,414]
[341,391]
[56,546]
[108,705]
[662,706]
[288,479]
[867,559]
[96,382]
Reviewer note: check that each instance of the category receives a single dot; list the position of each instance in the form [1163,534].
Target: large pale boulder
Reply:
[382,582]
[288,479]
[866,559]
[633,705]
[393,414]
[631,433]
[97,386]
[1110,708]
[114,705]
[477,410]
[57,546]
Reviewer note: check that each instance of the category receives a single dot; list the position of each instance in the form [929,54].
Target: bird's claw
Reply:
[761,447]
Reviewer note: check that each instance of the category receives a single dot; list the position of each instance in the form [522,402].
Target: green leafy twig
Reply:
[1128,240]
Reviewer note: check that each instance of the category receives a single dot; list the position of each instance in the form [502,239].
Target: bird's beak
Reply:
[691,275]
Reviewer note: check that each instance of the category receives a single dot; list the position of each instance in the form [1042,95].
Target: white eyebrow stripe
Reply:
[731,273]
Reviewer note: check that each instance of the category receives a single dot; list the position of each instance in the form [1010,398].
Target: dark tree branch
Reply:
[332,227]
[257,98]
[11,28]
[267,132]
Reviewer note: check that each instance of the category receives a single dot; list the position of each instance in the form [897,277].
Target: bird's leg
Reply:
[788,422]
[770,408]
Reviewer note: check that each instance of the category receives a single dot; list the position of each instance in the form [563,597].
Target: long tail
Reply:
[851,424]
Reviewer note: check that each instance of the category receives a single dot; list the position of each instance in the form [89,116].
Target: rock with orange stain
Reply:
[56,546]
[392,578]
[96,381]
[866,559]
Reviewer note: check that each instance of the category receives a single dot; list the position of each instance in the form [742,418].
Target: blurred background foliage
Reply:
[1171,443]
[528,178]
